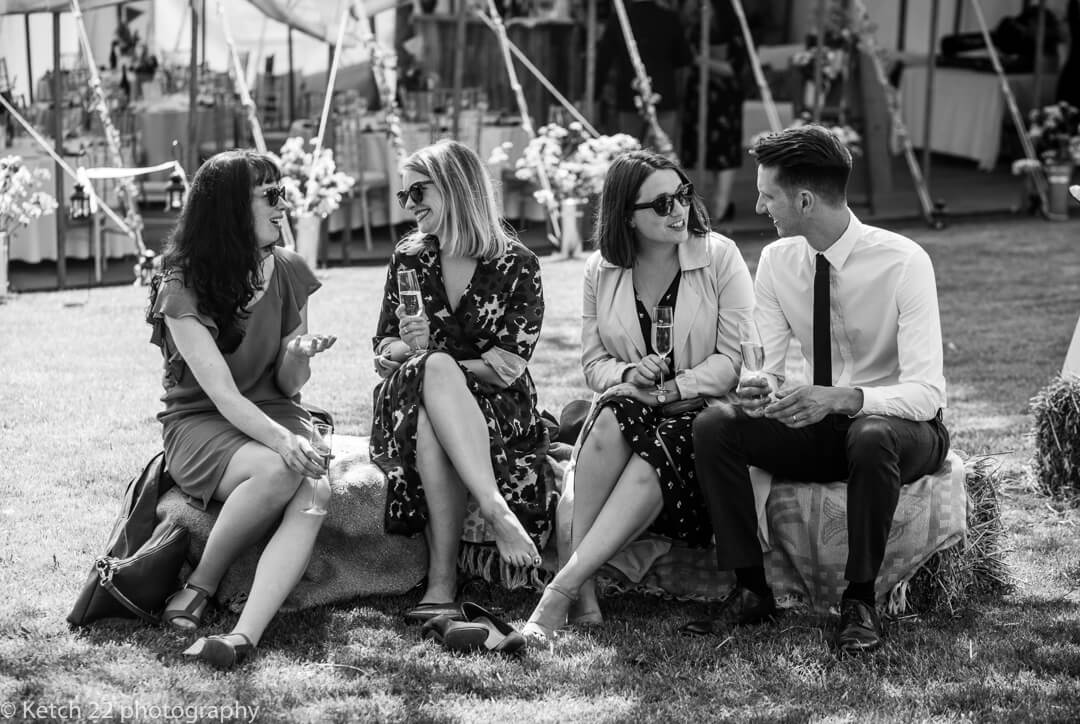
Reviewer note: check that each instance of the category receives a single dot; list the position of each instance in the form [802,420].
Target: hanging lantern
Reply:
[79,208]
[174,193]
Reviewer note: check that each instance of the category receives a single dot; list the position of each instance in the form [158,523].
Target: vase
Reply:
[4,239]
[574,226]
[307,238]
[1058,177]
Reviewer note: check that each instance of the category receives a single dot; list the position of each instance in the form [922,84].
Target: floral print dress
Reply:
[498,320]
[667,444]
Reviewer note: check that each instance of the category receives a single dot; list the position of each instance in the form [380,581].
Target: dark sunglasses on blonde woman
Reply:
[414,192]
[664,204]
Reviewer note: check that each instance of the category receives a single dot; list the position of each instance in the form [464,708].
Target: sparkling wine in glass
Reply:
[661,337]
[753,353]
[322,435]
[409,293]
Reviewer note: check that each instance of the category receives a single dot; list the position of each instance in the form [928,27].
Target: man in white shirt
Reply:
[872,416]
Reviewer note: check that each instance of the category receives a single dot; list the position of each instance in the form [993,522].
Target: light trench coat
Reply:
[715,293]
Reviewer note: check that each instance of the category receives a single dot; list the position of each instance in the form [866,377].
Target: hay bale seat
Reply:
[806,551]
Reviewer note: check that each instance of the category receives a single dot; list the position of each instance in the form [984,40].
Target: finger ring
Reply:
[794,418]
[537,561]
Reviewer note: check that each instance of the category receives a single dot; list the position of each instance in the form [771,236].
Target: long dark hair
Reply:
[617,241]
[213,248]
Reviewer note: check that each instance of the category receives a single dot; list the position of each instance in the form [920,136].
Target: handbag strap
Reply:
[105,573]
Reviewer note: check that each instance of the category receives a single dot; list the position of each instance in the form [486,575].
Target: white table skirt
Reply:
[969,110]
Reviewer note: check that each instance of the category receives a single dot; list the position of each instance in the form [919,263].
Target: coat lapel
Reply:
[693,255]
[624,307]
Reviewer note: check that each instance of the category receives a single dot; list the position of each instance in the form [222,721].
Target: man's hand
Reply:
[753,393]
[809,404]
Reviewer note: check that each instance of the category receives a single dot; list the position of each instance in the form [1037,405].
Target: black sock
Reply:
[753,579]
[861,592]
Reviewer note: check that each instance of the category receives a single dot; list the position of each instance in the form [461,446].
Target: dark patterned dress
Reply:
[724,98]
[684,515]
[501,311]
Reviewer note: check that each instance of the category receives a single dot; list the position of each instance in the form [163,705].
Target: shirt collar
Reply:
[838,252]
[693,254]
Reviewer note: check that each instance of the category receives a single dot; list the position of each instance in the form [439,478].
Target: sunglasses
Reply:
[664,204]
[274,194]
[414,192]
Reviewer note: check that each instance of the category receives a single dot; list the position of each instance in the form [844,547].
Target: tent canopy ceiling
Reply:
[9,7]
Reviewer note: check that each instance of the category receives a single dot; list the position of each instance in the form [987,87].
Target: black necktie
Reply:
[822,333]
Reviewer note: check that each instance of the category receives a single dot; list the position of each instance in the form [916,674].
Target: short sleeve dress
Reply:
[498,319]
[199,441]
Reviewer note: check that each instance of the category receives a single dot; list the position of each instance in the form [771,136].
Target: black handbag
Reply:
[142,562]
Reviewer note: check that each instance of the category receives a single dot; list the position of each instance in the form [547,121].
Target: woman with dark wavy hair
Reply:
[633,466]
[229,311]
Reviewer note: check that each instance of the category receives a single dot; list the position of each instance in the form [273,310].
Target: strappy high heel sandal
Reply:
[219,651]
[184,609]
[541,626]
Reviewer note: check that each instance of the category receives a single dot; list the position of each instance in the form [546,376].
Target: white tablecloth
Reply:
[969,110]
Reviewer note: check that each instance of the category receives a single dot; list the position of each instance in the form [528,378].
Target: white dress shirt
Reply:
[886,331]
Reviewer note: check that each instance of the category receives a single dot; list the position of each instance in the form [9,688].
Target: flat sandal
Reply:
[184,610]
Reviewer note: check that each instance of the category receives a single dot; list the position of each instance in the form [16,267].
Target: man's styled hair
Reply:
[807,157]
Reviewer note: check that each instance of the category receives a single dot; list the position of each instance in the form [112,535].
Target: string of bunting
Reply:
[94,198]
[127,192]
[381,63]
[645,99]
[526,121]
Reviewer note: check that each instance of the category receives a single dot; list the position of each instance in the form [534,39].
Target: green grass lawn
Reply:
[79,387]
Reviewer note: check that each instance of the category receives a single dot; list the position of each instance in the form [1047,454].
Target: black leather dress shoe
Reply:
[860,627]
[741,608]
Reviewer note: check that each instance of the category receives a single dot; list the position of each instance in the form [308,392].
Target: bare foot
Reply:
[515,546]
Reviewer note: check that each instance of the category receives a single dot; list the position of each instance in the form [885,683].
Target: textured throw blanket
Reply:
[803,532]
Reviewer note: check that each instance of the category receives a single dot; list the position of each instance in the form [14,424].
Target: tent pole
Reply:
[819,61]
[928,109]
[292,79]
[459,67]
[193,92]
[1040,39]
[702,91]
[58,144]
[755,65]
[901,30]
[202,42]
[29,65]
[590,60]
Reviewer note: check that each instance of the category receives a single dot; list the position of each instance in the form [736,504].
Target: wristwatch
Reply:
[661,398]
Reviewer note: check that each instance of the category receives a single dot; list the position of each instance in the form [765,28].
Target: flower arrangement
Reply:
[1055,135]
[575,163]
[313,186]
[21,199]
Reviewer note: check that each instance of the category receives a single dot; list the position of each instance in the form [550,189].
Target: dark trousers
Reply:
[875,454]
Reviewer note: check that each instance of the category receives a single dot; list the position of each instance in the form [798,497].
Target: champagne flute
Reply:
[661,337]
[409,293]
[322,434]
[753,354]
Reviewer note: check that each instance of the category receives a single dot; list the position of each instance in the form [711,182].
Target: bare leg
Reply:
[256,487]
[462,432]
[446,496]
[601,460]
[282,562]
[633,504]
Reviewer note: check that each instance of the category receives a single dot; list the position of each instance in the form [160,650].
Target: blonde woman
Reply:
[455,414]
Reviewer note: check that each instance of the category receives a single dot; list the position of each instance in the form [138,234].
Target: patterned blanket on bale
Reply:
[803,532]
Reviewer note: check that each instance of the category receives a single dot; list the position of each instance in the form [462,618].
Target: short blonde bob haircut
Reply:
[473,224]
